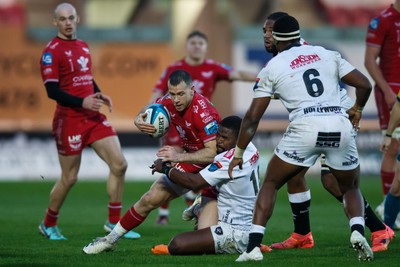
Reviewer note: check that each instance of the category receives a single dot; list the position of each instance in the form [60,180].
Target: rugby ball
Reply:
[158,116]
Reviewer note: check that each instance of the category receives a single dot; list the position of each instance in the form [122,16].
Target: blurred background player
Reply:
[392,200]
[197,120]
[236,198]
[312,98]
[299,194]
[205,74]
[77,121]
[383,43]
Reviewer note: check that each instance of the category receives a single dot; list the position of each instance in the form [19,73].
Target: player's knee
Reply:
[69,181]
[119,167]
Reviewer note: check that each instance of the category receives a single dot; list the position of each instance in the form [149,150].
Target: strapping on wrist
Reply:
[238,152]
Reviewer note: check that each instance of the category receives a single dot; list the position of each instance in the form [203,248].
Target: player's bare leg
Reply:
[208,213]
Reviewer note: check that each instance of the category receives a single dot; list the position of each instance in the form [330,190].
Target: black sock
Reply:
[254,241]
[357,227]
[371,220]
[301,217]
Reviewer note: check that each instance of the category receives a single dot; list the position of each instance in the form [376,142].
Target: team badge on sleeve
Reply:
[256,84]
[211,128]
[374,23]
[47,59]
[215,166]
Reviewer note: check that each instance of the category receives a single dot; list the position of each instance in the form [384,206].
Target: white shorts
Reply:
[228,240]
[307,138]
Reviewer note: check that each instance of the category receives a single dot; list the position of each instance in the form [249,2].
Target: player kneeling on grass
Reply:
[235,199]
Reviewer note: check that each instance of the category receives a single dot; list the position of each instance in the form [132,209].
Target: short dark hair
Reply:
[277,15]
[197,33]
[233,123]
[178,76]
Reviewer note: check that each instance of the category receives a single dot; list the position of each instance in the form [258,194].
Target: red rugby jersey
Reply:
[384,32]
[197,124]
[68,62]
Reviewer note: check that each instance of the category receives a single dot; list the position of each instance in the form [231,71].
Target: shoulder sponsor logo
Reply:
[211,128]
[215,166]
[47,71]
[303,60]
[47,59]
[373,25]
[195,108]
[86,50]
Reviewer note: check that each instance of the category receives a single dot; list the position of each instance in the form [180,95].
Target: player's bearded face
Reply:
[66,22]
[196,48]
[181,95]
[268,40]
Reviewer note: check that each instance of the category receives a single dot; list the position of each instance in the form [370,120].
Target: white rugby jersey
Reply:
[306,79]
[236,198]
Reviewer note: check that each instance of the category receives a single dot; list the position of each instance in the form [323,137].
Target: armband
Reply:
[238,152]
[388,135]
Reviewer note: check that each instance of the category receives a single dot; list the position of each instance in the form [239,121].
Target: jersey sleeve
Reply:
[217,171]
[264,85]
[162,84]
[222,71]
[344,67]
[376,33]
[49,66]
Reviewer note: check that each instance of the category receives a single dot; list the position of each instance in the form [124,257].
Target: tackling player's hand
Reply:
[161,167]
[235,162]
[142,125]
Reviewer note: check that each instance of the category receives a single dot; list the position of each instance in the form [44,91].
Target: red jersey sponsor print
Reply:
[384,32]
[68,62]
[204,76]
[197,124]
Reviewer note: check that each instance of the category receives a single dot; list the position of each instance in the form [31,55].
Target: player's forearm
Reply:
[54,92]
[374,70]
[188,180]
[243,76]
[202,156]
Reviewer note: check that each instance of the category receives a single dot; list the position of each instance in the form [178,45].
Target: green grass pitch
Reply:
[23,204]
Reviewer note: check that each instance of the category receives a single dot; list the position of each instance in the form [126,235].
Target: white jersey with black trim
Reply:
[236,198]
[306,79]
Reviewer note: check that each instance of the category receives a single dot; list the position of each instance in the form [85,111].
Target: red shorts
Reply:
[210,192]
[172,138]
[382,107]
[72,135]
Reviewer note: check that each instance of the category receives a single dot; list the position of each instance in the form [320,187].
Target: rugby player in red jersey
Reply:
[383,43]
[66,68]
[196,120]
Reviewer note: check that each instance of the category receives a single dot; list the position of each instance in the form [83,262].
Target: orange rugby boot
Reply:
[295,241]
[381,239]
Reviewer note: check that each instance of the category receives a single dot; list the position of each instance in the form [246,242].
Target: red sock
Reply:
[50,219]
[165,205]
[131,219]
[387,179]
[114,212]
